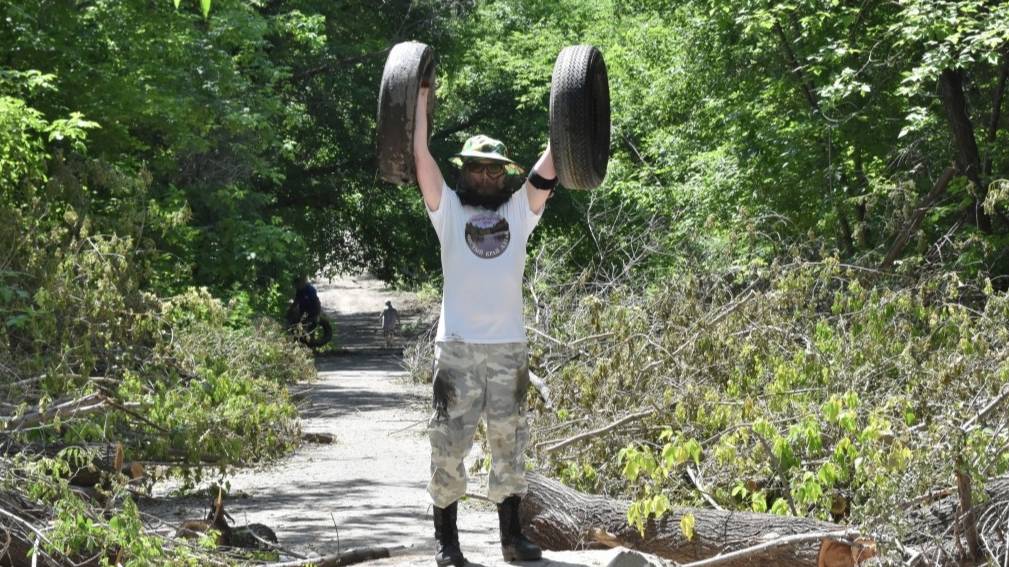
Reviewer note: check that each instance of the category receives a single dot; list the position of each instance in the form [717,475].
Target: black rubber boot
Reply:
[514,545]
[445,531]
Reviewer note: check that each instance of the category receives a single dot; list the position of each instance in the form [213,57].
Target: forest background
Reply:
[794,275]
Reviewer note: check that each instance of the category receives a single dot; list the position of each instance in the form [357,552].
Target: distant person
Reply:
[389,319]
[305,307]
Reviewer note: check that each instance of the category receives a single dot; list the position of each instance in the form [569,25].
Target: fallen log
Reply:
[560,518]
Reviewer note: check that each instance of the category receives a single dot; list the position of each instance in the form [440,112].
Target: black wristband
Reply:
[539,182]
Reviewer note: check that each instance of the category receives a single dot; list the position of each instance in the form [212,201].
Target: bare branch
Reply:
[902,238]
[966,427]
[556,446]
[847,537]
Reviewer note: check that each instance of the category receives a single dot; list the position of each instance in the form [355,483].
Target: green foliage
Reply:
[188,380]
[154,157]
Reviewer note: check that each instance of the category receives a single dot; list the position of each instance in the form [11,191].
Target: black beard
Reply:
[474,198]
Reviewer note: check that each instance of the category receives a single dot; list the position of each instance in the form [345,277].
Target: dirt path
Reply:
[367,488]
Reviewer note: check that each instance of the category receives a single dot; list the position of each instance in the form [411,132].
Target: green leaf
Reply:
[780,507]
[632,468]
[205,5]
[16,321]
[660,505]
[831,410]
[828,474]
[687,526]
[693,448]
[669,455]
[176,2]
[740,491]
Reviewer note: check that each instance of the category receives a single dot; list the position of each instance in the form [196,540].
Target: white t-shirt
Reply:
[483,255]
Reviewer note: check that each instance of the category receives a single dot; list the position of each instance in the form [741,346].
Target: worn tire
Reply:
[580,117]
[408,63]
[321,334]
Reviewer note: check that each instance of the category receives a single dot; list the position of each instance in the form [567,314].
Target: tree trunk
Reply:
[559,518]
[996,110]
[847,242]
[864,240]
[968,157]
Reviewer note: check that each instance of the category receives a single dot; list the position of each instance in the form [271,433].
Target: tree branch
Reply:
[966,427]
[968,521]
[996,109]
[807,89]
[900,242]
[582,436]
[72,408]
[779,469]
[349,557]
[473,119]
[330,65]
[846,536]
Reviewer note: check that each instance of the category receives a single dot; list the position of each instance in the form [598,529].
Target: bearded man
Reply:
[481,360]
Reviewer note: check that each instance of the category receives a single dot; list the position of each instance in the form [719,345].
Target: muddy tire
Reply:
[580,117]
[408,64]
[320,334]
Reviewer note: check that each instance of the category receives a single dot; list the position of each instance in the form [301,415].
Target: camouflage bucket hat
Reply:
[482,147]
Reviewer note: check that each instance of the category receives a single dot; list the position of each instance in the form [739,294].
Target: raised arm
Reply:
[428,175]
[545,168]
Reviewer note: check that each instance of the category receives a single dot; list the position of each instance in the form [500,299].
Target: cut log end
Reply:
[837,553]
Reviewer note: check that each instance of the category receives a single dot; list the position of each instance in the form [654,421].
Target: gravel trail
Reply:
[368,487]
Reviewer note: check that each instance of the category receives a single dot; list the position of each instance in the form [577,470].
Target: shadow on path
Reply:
[331,400]
[361,331]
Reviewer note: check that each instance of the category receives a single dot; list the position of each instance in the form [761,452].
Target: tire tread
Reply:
[580,117]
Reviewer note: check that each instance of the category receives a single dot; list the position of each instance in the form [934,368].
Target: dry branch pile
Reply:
[811,389]
[868,401]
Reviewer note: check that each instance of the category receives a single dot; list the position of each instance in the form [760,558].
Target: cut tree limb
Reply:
[746,553]
[966,427]
[73,408]
[556,446]
[968,521]
[560,518]
[541,387]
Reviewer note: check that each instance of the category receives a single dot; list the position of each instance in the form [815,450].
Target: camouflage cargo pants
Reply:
[471,380]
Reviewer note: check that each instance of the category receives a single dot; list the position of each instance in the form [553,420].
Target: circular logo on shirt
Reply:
[487,234]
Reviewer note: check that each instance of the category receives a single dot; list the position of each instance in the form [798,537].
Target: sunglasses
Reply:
[492,170]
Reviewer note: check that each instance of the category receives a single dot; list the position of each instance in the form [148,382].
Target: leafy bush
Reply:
[90,355]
